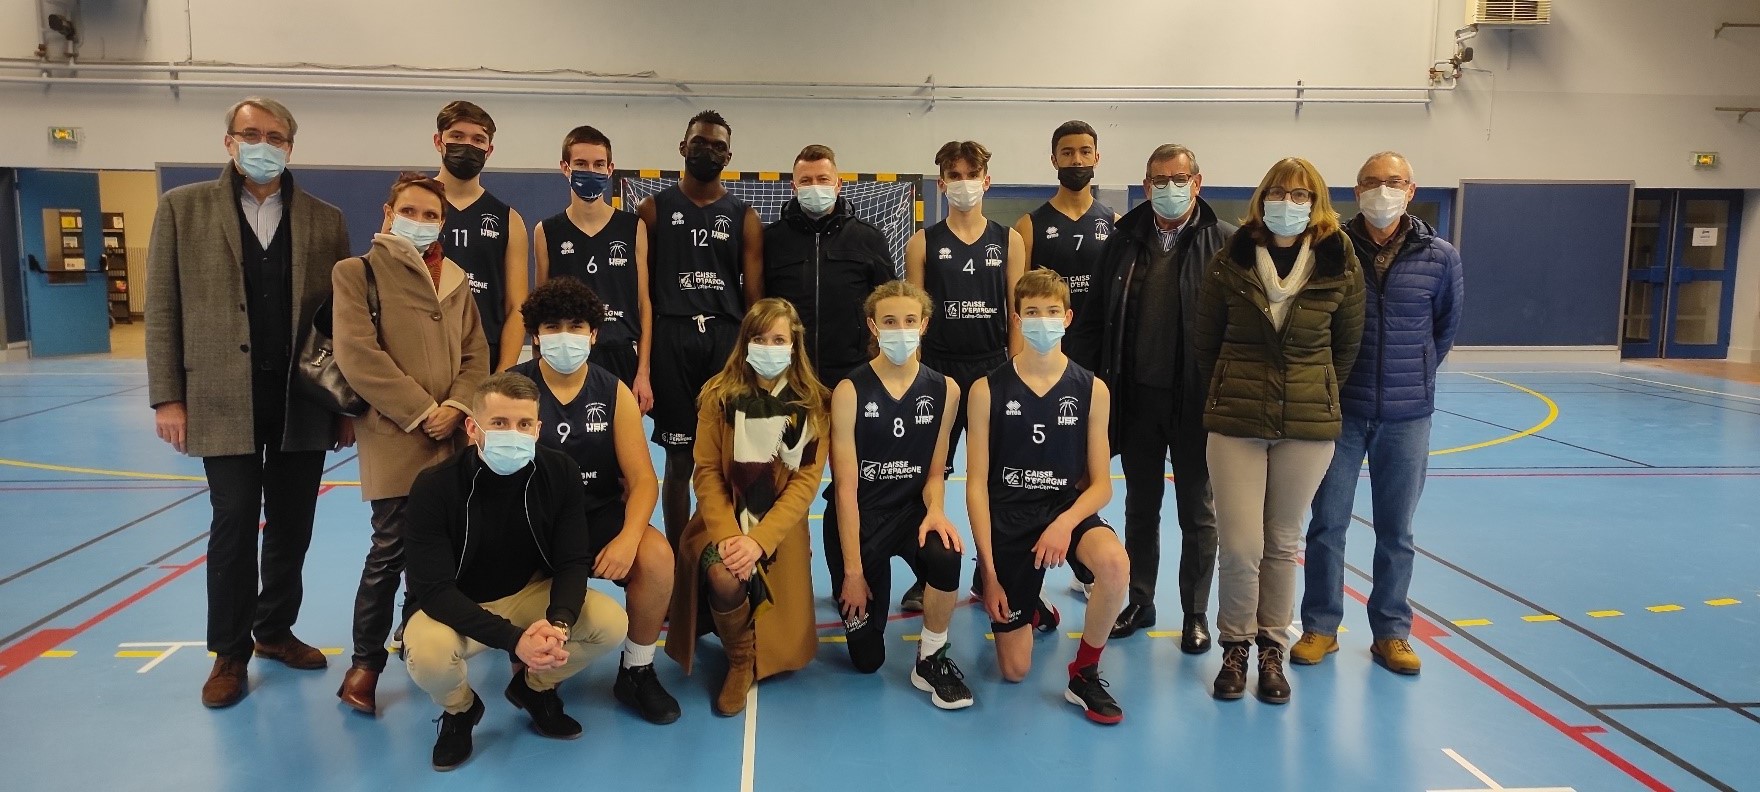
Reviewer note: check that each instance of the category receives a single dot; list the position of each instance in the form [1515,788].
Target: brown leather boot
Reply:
[741,643]
[292,653]
[360,690]
[227,683]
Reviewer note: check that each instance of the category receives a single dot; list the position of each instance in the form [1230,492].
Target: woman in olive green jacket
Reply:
[1280,316]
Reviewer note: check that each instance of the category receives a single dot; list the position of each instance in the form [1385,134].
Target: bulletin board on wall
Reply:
[1545,262]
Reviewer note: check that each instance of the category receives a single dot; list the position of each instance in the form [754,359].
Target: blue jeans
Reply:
[1399,457]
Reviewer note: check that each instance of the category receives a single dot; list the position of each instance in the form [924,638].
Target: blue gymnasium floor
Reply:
[1588,594]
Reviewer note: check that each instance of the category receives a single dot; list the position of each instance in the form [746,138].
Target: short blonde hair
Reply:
[1322,219]
[266,105]
[1041,283]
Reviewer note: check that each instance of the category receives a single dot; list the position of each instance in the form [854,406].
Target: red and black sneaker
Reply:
[1088,691]
[1045,617]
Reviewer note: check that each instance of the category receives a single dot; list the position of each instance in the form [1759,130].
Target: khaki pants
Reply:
[1263,488]
[436,654]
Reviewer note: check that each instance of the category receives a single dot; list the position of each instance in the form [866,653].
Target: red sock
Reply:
[1086,656]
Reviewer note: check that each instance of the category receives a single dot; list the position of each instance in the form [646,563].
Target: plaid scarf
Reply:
[770,438]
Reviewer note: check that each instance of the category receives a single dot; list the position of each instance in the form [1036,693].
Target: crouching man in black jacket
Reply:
[499,557]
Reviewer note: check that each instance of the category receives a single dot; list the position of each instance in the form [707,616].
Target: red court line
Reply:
[1428,632]
[32,646]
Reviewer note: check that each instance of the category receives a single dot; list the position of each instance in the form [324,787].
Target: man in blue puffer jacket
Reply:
[1412,306]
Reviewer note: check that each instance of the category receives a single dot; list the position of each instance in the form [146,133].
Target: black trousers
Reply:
[1155,429]
[376,597]
[278,491]
[965,372]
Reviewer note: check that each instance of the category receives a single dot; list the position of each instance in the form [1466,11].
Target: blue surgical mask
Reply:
[1172,200]
[1287,218]
[899,344]
[422,235]
[588,185]
[507,452]
[1043,333]
[565,352]
[769,361]
[816,199]
[261,162]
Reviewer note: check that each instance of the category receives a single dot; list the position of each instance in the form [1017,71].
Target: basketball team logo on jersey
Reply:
[618,254]
[871,410]
[992,255]
[1067,408]
[491,226]
[967,309]
[566,248]
[925,410]
[595,418]
[1032,479]
[693,281]
[895,470]
[1102,230]
[723,226]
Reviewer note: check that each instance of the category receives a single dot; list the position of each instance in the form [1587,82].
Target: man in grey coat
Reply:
[236,269]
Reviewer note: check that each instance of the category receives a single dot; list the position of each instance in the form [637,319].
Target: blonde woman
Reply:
[744,556]
[1280,316]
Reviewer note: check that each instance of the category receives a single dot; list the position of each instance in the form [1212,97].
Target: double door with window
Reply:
[1680,280]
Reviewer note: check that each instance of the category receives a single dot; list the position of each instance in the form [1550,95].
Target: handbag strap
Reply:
[372,292]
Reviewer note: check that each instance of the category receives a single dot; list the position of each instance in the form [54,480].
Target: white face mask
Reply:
[1383,206]
[965,195]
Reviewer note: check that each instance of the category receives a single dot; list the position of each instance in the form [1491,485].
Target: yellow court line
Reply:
[1163,633]
[1551,415]
[1605,614]
[1472,622]
[59,653]
[135,653]
[1664,608]
[1544,617]
[1718,603]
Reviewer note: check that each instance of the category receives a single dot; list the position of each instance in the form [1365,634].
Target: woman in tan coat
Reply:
[743,568]
[417,364]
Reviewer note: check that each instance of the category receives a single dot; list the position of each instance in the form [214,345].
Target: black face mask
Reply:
[704,166]
[464,160]
[1075,177]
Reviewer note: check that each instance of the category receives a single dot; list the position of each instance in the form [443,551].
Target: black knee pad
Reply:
[938,565]
[867,644]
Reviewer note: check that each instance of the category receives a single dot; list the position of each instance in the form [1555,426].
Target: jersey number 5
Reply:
[1039,433]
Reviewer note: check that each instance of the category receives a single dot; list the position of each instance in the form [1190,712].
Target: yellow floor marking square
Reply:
[1718,603]
[833,639]
[59,653]
[1163,633]
[1544,617]
[1604,614]
[331,650]
[1664,608]
[1472,622]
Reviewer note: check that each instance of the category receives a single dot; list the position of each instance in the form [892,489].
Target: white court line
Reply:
[1682,387]
[170,647]
[749,759]
[1490,785]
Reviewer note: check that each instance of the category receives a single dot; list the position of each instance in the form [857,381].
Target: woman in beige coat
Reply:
[417,364]
[743,561]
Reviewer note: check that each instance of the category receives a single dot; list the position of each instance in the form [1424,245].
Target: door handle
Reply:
[35,265]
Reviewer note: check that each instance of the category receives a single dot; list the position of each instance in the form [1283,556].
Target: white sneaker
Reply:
[1084,589]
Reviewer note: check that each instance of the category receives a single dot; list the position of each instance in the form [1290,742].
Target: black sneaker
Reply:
[1088,691]
[640,689]
[912,601]
[1045,617]
[942,680]
[453,746]
[545,708]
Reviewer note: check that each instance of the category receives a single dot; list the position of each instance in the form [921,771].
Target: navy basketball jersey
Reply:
[475,238]
[1038,444]
[969,284]
[606,262]
[584,428]
[1071,248]
[895,438]
[695,264]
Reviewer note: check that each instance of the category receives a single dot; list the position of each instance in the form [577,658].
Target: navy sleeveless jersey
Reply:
[585,429]
[969,284]
[695,264]
[895,438]
[605,261]
[1071,248]
[1038,444]
[475,238]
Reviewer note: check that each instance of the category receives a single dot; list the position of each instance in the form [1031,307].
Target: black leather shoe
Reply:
[1133,618]
[1194,636]
[1231,681]
[1273,685]
[453,746]
[640,689]
[545,708]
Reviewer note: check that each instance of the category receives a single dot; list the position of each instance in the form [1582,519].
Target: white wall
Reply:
[1612,89]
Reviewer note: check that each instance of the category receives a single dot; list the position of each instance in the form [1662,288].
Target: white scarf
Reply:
[760,440]
[1279,290]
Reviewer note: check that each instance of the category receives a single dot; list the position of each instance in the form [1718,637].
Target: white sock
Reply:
[636,655]
[932,643]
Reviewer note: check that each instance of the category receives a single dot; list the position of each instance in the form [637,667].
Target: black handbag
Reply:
[316,375]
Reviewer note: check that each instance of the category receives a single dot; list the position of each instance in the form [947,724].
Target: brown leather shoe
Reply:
[292,653]
[360,690]
[227,683]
